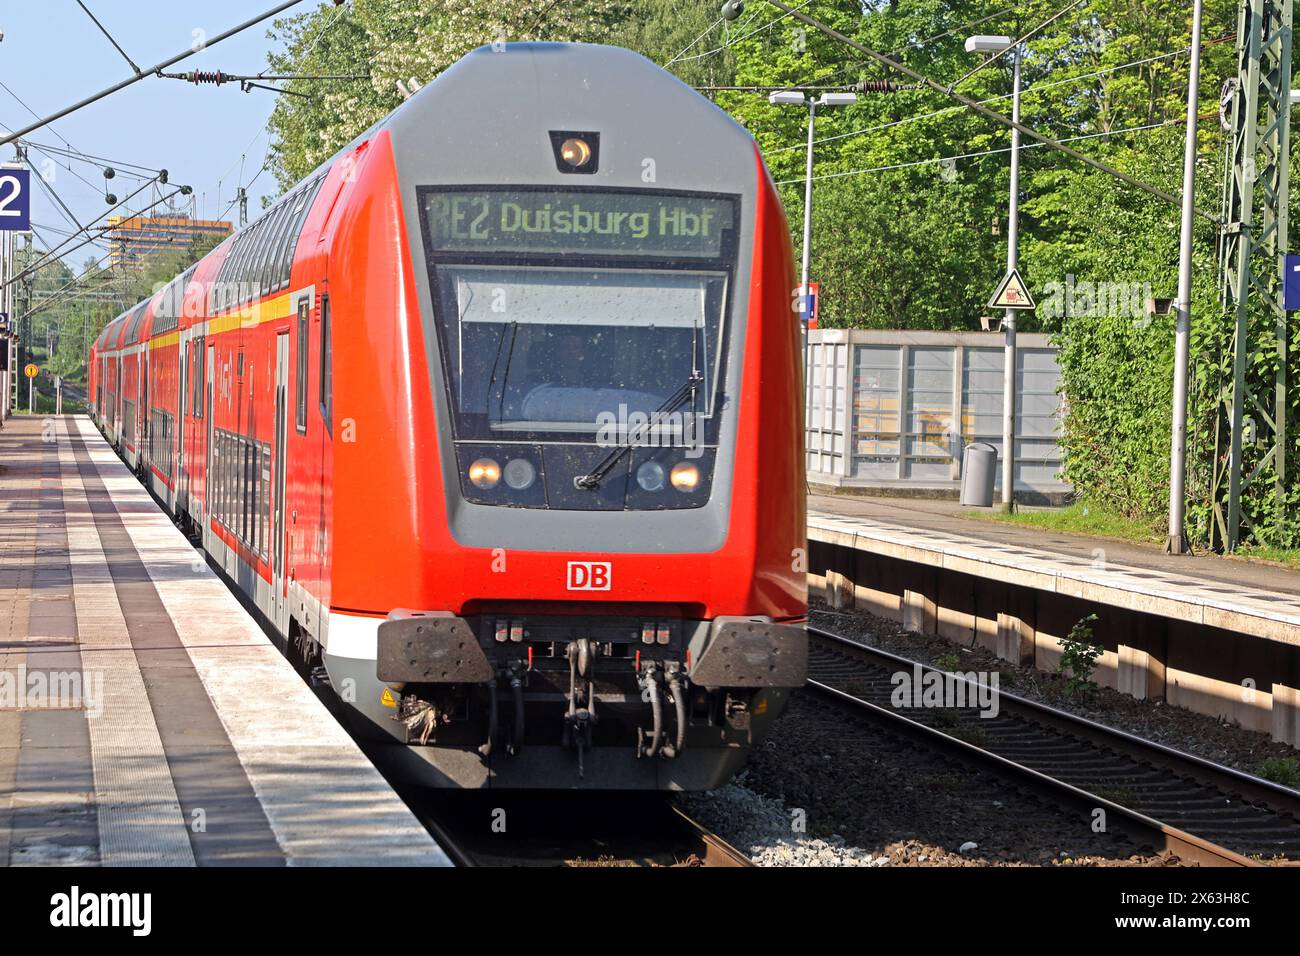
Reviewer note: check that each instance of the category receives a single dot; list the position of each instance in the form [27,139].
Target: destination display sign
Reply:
[516,221]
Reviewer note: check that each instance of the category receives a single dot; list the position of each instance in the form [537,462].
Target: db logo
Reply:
[589,576]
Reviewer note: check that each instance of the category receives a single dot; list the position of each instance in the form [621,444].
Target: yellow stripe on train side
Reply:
[247,317]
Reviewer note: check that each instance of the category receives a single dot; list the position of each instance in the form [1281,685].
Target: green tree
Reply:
[392,42]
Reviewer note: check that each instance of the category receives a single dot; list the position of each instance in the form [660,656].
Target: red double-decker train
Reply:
[496,418]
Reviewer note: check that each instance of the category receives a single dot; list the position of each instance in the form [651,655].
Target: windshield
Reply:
[548,350]
[547,334]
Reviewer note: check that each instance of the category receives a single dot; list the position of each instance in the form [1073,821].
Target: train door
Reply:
[278,584]
[117,400]
[182,485]
[208,367]
[142,460]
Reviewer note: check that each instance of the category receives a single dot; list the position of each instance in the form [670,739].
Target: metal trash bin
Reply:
[979,470]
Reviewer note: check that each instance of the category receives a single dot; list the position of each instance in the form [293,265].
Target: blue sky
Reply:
[53,55]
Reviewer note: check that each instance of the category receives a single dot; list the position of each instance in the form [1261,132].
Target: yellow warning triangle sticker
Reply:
[1012,294]
[387,698]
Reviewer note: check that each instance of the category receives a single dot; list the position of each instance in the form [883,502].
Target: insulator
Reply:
[878,86]
[215,77]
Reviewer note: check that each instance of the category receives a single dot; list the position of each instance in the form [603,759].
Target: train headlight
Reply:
[576,152]
[520,474]
[650,476]
[485,473]
[685,476]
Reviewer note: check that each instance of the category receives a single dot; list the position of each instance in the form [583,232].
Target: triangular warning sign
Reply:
[1012,293]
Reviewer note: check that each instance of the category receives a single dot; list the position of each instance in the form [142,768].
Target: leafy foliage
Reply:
[388,42]
[1079,654]
[911,190]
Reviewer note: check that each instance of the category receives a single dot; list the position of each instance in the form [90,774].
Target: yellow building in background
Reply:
[138,240]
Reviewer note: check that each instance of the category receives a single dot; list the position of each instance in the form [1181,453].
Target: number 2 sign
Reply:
[15,199]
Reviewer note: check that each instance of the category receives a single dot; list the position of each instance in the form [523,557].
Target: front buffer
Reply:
[557,702]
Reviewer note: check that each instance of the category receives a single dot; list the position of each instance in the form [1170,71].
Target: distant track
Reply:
[1199,810]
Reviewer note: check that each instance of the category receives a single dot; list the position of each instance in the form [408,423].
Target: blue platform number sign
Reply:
[15,199]
[808,303]
[1291,284]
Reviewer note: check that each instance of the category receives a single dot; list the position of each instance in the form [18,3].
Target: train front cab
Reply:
[552,610]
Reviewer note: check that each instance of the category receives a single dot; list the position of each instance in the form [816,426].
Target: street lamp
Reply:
[999,44]
[796,98]
[1176,541]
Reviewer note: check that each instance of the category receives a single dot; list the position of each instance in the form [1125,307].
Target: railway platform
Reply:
[145,718]
[1215,635]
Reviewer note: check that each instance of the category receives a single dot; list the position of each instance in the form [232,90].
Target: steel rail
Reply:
[1186,846]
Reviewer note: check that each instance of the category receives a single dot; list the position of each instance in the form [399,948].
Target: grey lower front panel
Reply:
[708,761]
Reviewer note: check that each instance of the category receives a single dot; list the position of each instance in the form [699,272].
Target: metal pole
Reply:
[6,305]
[807,218]
[5,357]
[1176,543]
[1009,321]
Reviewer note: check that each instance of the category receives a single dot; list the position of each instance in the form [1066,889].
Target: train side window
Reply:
[264,253]
[259,258]
[227,275]
[227,491]
[326,366]
[300,417]
[246,469]
[218,464]
[237,489]
[240,277]
[271,267]
[228,498]
[255,499]
[246,261]
[268,244]
[225,479]
[238,274]
[295,231]
[256,518]
[214,505]
[230,274]
[249,501]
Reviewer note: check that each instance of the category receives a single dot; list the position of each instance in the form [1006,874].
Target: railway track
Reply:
[1198,810]
[569,829]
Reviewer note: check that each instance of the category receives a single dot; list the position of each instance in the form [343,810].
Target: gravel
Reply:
[763,827]
[866,797]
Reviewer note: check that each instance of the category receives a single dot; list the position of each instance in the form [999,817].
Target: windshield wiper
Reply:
[487,399]
[592,480]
